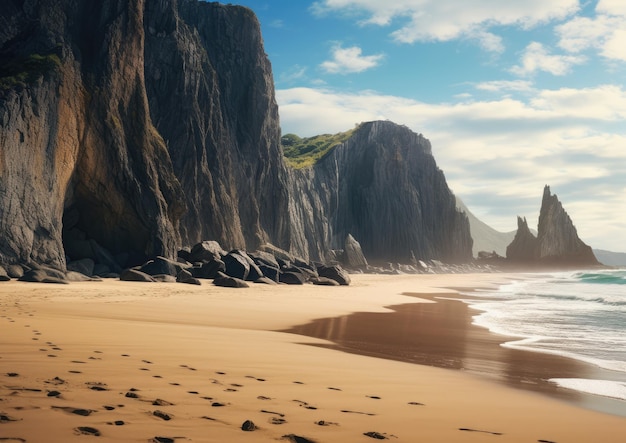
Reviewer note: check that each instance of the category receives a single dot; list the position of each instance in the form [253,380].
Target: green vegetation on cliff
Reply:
[304,152]
[23,70]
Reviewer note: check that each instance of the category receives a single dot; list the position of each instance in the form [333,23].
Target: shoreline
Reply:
[120,352]
[446,337]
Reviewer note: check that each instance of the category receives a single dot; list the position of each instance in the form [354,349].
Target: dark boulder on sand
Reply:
[230,282]
[135,275]
[184,276]
[336,273]
[209,270]
[162,265]
[205,251]
[4,276]
[292,278]
[324,281]
[236,266]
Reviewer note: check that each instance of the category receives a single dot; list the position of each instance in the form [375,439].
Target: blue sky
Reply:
[512,95]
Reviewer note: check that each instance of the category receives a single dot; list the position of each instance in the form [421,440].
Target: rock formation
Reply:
[557,242]
[382,186]
[131,128]
[525,246]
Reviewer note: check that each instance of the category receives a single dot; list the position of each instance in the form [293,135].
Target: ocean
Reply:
[580,315]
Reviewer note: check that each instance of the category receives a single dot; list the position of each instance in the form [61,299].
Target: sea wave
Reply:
[570,314]
[605,388]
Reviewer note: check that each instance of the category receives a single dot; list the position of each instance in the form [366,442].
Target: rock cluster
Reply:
[557,242]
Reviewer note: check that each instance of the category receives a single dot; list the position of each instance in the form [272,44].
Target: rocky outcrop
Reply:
[129,129]
[382,186]
[557,242]
[525,246]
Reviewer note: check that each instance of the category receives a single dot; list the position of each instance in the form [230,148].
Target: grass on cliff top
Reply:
[305,152]
[24,70]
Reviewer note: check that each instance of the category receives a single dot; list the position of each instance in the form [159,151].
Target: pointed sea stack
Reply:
[525,245]
[557,235]
[557,242]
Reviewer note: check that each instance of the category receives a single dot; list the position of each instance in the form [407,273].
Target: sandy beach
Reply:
[139,362]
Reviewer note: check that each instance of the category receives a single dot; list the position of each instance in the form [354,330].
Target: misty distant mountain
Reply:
[485,237]
[610,258]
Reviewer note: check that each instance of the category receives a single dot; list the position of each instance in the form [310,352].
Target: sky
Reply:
[512,95]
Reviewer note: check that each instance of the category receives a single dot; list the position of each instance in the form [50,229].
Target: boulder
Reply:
[208,270]
[324,281]
[264,258]
[353,255]
[292,278]
[41,276]
[162,265]
[270,272]
[135,275]
[236,266]
[4,276]
[336,273]
[205,251]
[229,282]
[185,276]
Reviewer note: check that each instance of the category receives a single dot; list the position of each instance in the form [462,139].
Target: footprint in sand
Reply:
[305,405]
[87,430]
[162,415]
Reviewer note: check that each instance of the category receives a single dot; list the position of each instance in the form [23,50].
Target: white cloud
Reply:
[444,20]
[499,154]
[604,32]
[350,60]
[611,7]
[537,58]
[505,85]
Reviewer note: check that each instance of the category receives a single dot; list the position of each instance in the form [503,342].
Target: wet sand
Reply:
[141,362]
[441,334]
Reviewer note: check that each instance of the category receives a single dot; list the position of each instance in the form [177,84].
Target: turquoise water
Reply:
[580,315]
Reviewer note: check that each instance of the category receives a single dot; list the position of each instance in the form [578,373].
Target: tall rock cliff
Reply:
[76,135]
[557,242]
[383,187]
[211,95]
[130,128]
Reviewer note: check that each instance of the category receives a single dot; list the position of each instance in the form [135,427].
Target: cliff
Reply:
[76,134]
[557,241]
[383,187]
[132,128]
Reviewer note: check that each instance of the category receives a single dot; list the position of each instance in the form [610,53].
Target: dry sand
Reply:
[140,362]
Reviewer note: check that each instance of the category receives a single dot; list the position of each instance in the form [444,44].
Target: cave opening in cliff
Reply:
[99,238]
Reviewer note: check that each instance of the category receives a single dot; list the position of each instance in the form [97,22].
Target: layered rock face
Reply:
[211,95]
[76,134]
[557,241]
[82,160]
[383,187]
[130,128]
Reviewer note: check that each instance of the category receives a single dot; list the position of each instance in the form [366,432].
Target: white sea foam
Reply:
[580,315]
[605,388]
